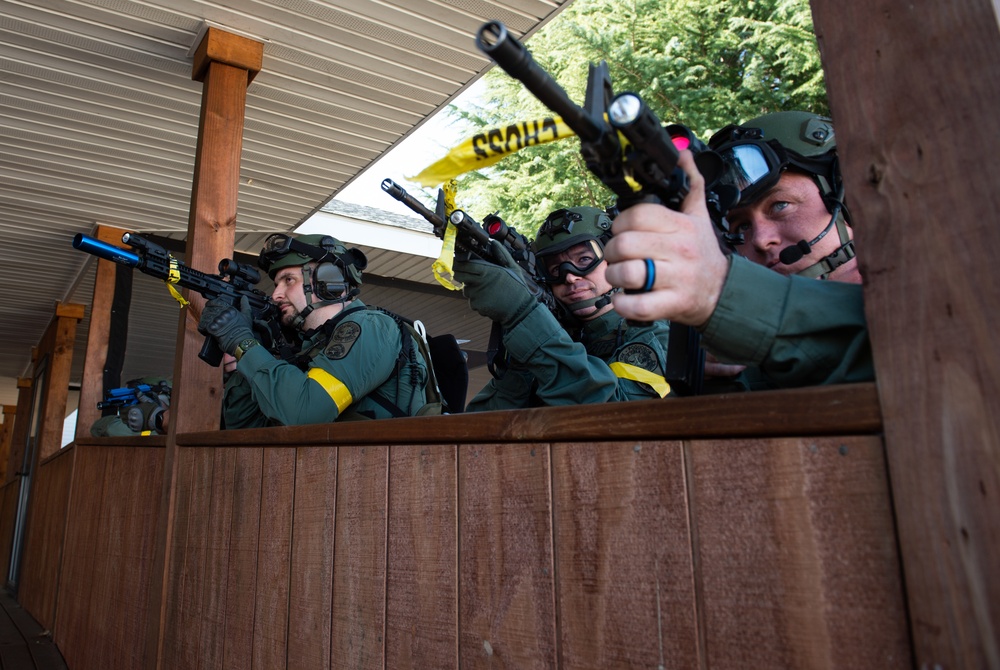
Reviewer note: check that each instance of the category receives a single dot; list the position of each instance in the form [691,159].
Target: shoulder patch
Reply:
[343,338]
[641,356]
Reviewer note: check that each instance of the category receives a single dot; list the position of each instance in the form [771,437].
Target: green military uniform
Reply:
[353,367]
[599,363]
[112,426]
[803,332]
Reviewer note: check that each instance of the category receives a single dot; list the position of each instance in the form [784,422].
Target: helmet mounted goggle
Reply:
[583,251]
[279,245]
[754,165]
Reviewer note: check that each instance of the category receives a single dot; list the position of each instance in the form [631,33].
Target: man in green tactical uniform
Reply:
[596,356]
[353,363]
[762,307]
[144,410]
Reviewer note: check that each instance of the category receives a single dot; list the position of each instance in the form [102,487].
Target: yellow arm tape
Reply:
[175,276]
[637,374]
[334,388]
[488,147]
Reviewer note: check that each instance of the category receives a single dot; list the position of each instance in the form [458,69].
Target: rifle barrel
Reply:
[108,252]
[495,41]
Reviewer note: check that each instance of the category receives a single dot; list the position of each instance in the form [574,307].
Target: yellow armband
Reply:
[335,388]
[637,374]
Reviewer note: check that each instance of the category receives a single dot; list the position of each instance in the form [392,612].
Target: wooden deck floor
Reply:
[23,643]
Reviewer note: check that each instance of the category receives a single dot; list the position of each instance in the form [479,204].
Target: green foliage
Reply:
[701,63]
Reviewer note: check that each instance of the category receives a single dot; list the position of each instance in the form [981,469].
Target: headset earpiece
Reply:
[328,281]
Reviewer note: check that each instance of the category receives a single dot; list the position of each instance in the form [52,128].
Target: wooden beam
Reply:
[96,356]
[225,63]
[219,46]
[914,92]
[822,410]
[58,347]
[6,438]
[19,432]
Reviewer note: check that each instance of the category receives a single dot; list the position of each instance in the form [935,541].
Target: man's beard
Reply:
[288,317]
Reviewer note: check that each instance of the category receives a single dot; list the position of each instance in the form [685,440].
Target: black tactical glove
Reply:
[228,325]
[498,292]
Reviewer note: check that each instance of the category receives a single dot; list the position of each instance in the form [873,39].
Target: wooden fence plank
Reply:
[311,584]
[77,584]
[132,489]
[506,596]
[422,564]
[358,636]
[624,577]
[39,576]
[8,516]
[142,480]
[241,581]
[797,554]
[185,595]
[217,531]
[270,639]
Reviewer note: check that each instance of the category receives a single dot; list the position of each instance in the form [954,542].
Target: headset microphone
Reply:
[793,253]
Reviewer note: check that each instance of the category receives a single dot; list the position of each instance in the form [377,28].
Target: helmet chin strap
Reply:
[824,266]
[600,302]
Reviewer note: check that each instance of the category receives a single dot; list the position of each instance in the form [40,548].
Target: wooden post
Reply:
[914,91]
[57,344]
[226,64]
[96,356]
[9,414]
[19,432]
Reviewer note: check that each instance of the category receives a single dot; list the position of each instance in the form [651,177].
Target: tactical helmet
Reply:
[758,150]
[565,228]
[283,251]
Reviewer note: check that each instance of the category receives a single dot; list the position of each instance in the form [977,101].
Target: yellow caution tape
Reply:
[173,278]
[489,146]
[442,266]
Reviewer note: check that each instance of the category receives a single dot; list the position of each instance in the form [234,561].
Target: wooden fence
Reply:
[696,533]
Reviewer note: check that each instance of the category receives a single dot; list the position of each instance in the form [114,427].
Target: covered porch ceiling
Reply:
[99,123]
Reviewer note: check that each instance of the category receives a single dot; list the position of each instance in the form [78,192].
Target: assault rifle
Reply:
[643,170]
[473,238]
[234,282]
[127,395]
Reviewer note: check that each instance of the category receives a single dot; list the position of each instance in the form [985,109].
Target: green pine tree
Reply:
[701,63]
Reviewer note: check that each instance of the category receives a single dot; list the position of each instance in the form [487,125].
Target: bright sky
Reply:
[431,142]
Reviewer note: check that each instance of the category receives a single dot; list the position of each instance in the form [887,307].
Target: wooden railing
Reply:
[750,530]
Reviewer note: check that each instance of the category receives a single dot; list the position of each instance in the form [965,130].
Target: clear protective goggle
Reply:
[580,259]
[753,167]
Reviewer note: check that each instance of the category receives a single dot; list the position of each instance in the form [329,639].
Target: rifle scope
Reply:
[240,271]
